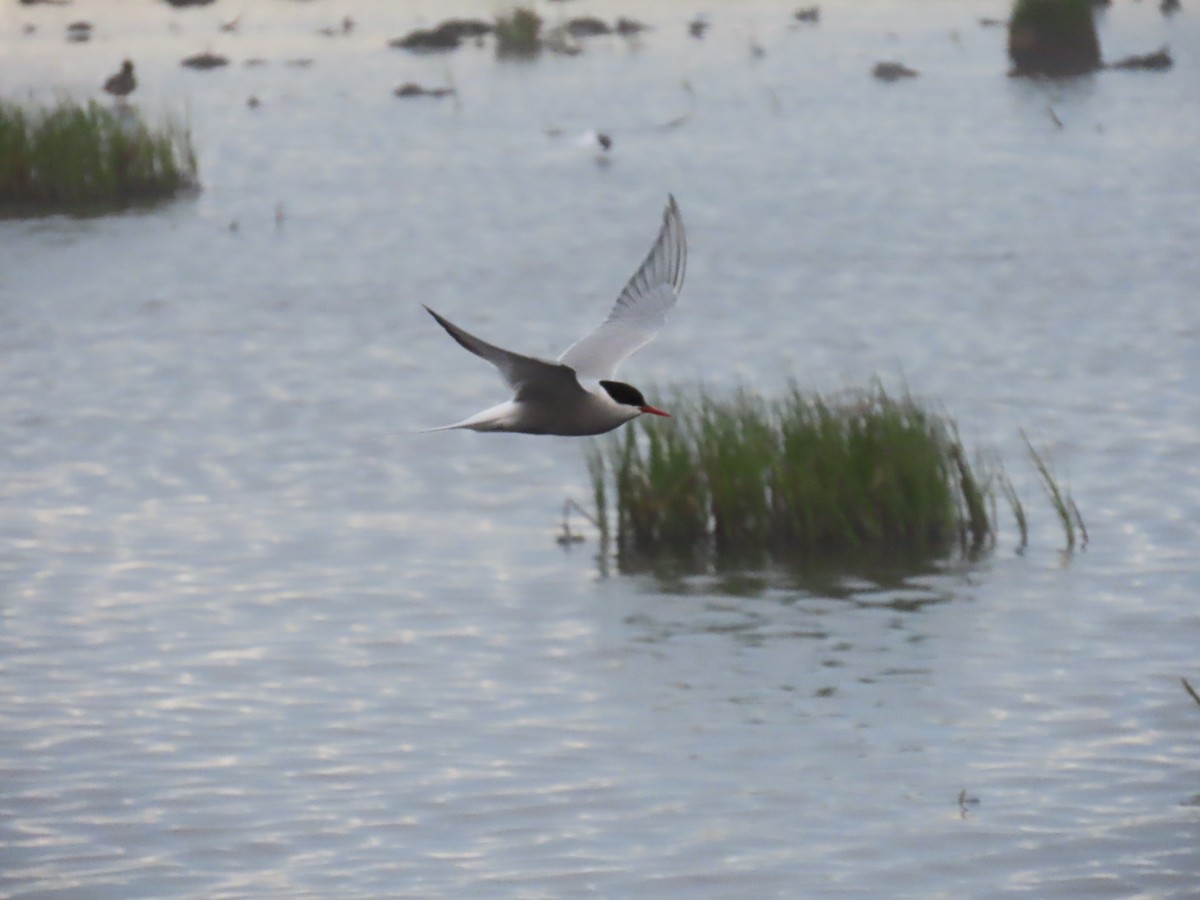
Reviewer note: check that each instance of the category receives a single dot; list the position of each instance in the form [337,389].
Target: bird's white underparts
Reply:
[578,394]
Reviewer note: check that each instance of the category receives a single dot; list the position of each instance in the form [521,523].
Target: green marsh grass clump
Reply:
[518,33]
[747,477]
[1053,37]
[73,155]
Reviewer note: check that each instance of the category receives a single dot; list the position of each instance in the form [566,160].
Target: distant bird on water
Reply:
[123,83]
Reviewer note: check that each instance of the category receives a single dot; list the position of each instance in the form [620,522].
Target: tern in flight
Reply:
[577,394]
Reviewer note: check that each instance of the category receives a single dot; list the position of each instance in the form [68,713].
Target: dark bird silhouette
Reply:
[123,83]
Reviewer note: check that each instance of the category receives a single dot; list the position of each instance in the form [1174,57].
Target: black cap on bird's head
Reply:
[628,395]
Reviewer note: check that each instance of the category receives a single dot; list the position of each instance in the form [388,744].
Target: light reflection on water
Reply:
[255,638]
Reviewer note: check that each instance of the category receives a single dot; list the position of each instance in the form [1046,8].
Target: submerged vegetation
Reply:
[742,479]
[71,155]
[804,474]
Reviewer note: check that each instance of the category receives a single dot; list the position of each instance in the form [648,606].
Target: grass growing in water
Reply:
[71,155]
[1018,511]
[1191,690]
[1053,37]
[1062,501]
[518,33]
[804,474]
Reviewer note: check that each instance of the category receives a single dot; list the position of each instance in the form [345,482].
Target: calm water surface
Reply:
[258,640]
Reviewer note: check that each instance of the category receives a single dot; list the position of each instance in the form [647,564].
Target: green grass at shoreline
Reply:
[71,155]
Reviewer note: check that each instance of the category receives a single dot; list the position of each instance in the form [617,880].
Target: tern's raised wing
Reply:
[641,309]
[526,375]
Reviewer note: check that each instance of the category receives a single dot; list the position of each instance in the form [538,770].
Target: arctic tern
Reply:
[577,394]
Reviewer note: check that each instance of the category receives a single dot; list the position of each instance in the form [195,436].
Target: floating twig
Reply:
[567,537]
[966,801]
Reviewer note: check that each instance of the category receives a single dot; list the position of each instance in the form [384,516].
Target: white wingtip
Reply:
[642,307]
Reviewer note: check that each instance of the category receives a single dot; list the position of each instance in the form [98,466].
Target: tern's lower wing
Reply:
[642,308]
[526,375]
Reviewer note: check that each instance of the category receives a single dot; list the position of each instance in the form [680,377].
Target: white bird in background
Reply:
[576,395]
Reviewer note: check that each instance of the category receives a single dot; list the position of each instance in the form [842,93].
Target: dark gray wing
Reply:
[526,375]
